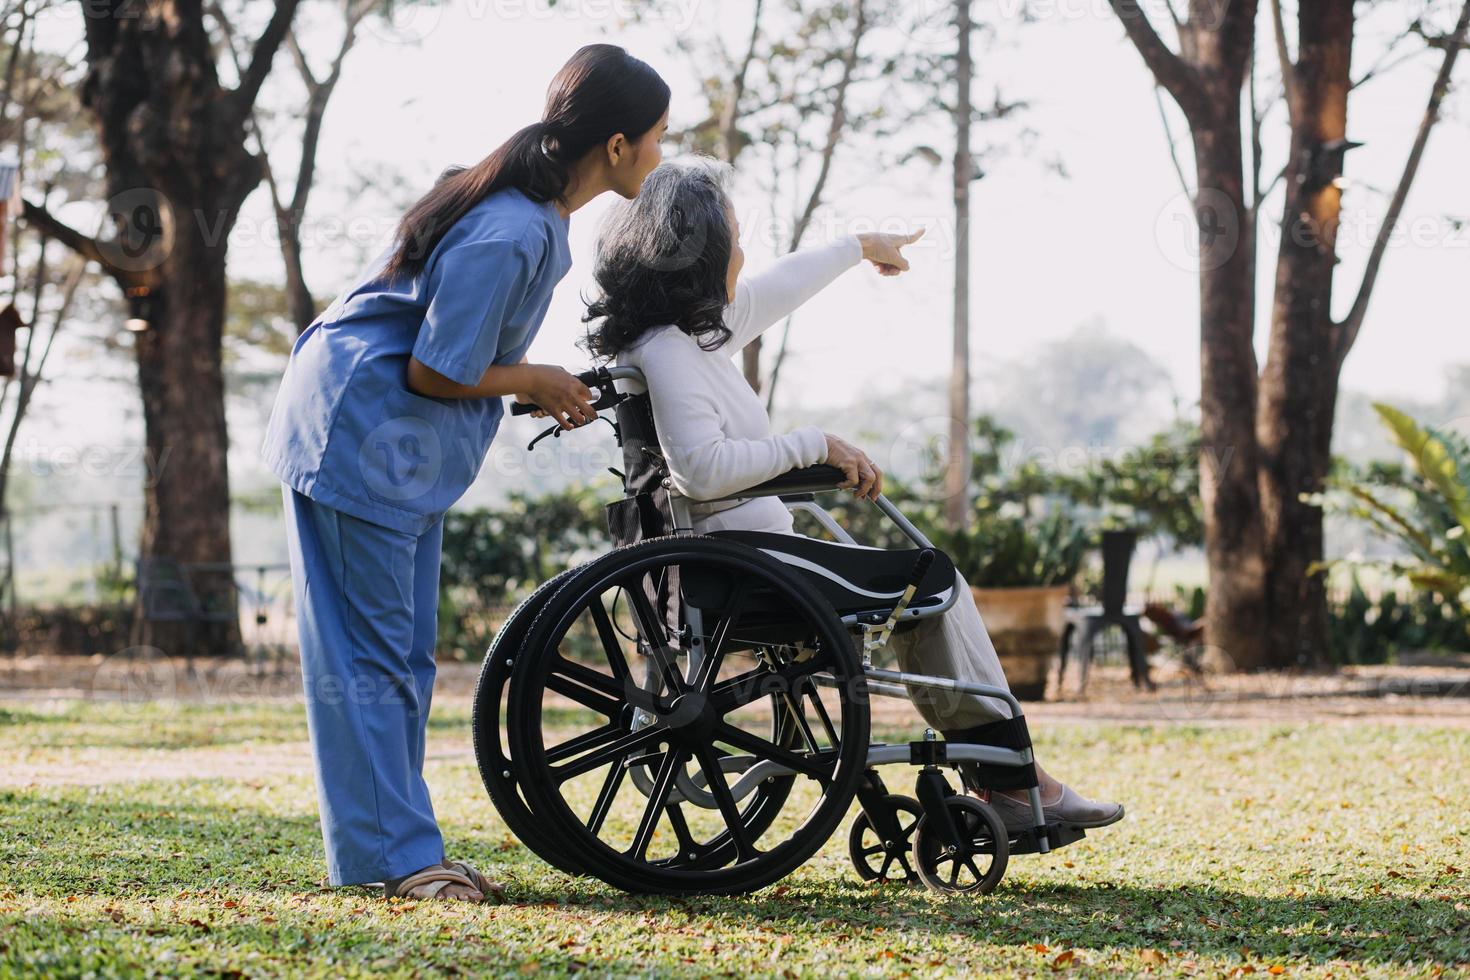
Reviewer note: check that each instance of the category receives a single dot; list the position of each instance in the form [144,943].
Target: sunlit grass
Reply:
[1297,848]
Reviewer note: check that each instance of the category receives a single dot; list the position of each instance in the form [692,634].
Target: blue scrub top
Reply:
[347,432]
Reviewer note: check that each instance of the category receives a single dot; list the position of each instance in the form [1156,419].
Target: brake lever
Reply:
[555,431]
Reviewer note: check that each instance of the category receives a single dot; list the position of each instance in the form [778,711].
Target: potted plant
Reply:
[1020,568]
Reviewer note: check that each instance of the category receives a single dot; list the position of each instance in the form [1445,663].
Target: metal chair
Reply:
[1086,623]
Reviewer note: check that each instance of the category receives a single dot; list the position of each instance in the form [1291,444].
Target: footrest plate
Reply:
[1057,835]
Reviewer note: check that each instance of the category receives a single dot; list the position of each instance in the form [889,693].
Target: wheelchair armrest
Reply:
[808,479]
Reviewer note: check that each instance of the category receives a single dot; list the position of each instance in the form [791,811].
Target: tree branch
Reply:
[86,246]
[835,127]
[1353,322]
[1283,56]
[1176,75]
[730,113]
[265,52]
[1173,149]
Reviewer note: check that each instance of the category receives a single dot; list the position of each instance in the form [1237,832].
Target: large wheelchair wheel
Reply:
[502,778]
[668,721]
[487,715]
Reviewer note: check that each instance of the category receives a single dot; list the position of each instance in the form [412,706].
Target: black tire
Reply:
[977,867]
[677,719]
[487,712]
[873,858]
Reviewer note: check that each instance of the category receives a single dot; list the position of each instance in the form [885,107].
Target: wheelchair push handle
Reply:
[598,379]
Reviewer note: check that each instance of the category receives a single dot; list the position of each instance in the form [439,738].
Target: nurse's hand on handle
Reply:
[559,394]
[864,478]
[557,391]
[883,250]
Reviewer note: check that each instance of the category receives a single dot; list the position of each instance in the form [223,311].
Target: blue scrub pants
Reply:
[366,604]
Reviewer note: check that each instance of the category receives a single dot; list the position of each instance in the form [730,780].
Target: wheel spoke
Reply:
[605,798]
[688,846]
[663,783]
[614,753]
[709,667]
[794,708]
[654,635]
[611,648]
[742,689]
[809,689]
[710,763]
[582,743]
[954,874]
[970,863]
[587,698]
[758,746]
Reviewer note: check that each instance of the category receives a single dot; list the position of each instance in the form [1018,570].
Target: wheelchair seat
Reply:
[854,578]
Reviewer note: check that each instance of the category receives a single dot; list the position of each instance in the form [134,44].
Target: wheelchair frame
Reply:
[939,806]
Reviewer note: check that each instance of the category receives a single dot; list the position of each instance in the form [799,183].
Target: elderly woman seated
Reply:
[673,303]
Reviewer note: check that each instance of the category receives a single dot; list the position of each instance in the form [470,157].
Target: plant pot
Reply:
[1025,624]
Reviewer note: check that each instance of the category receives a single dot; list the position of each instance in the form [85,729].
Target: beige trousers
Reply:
[952,645]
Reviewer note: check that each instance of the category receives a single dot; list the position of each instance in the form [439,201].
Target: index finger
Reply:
[914,236]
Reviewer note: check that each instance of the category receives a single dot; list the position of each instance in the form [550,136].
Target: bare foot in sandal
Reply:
[448,881]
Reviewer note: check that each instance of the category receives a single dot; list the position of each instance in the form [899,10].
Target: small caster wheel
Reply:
[878,860]
[977,865]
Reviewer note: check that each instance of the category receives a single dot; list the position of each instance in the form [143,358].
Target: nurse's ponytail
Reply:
[601,92]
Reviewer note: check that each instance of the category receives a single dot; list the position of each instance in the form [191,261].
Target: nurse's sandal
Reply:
[431,881]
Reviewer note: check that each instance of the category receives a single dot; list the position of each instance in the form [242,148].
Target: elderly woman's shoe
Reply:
[1070,808]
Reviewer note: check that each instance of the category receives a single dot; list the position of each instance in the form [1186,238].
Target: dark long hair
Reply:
[601,92]
[662,258]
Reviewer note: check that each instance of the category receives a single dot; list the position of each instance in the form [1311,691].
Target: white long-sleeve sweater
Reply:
[712,428]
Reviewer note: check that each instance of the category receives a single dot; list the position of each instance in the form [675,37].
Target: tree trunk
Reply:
[173,142]
[1299,385]
[1236,610]
[957,466]
[186,515]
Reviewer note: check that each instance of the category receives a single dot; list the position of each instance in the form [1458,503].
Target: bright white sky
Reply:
[1112,241]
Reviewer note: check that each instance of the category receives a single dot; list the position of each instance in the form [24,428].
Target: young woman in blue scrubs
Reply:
[385,414]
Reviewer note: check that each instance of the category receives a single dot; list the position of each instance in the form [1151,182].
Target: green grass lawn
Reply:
[1300,849]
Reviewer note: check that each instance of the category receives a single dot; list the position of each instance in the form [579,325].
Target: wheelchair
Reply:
[689,714]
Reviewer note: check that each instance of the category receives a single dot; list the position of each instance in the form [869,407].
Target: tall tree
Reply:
[1299,384]
[957,464]
[1205,77]
[1267,439]
[178,169]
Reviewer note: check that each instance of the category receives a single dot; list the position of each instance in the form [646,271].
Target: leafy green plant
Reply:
[493,557]
[1369,630]
[1152,489]
[1426,514]
[1007,550]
